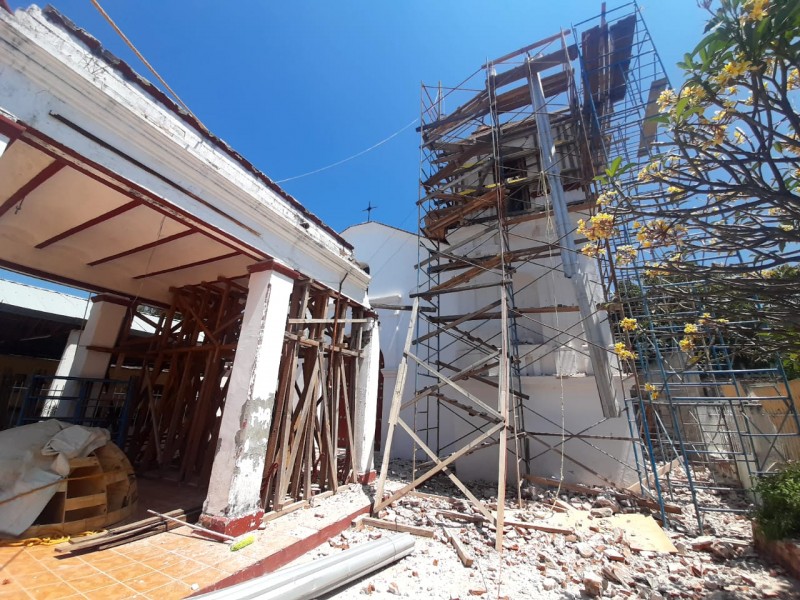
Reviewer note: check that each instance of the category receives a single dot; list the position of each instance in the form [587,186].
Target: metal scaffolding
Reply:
[508,164]
[719,418]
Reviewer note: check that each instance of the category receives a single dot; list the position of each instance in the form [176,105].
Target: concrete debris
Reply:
[585,550]
[597,561]
[592,584]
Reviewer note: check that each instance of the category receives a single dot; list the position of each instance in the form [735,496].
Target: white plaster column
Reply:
[79,359]
[366,402]
[233,503]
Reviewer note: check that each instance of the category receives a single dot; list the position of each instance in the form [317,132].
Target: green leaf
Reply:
[664,119]
[611,171]
[680,107]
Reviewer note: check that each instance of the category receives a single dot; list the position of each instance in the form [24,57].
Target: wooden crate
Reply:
[99,491]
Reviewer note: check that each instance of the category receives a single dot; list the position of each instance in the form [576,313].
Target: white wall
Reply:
[391,255]
[612,459]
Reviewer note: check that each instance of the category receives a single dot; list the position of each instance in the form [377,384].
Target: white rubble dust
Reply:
[535,564]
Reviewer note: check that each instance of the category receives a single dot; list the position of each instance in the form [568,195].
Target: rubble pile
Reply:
[600,555]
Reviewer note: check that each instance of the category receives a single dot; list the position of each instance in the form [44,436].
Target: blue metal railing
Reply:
[81,401]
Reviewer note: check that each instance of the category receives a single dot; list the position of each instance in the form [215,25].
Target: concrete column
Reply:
[233,503]
[79,360]
[366,403]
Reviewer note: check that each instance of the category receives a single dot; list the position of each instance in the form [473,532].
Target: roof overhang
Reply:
[106,186]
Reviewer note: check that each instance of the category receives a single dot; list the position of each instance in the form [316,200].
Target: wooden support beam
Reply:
[154,244]
[49,171]
[536,310]
[326,321]
[90,223]
[197,263]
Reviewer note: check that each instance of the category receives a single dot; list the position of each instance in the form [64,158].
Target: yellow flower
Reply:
[652,390]
[708,320]
[718,136]
[733,70]
[625,255]
[654,270]
[647,173]
[690,328]
[623,352]
[603,224]
[694,93]
[793,79]
[629,324]
[756,10]
[666,99]
[675,189]
[794,147]
[721,116]
[739,136]
[600,227]
[660,233]
[606,197]
[686,344]
[591,250]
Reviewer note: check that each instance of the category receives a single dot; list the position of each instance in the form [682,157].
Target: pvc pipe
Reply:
[313,579]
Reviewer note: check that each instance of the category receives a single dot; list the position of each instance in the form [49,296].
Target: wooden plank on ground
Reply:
[459,516]
[463,555]
[412,529]
[127,533]
[539,526]
[568,487]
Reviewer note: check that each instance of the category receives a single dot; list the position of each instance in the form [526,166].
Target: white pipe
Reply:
[311,580]
[595,321]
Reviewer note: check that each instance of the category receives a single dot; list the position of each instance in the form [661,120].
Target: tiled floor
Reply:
[165,566]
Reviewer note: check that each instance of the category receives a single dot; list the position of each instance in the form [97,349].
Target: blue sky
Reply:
[298,85]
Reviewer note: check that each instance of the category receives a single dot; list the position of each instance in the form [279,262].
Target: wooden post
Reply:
[397,398]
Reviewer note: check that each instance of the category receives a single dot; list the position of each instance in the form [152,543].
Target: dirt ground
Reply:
[600,552]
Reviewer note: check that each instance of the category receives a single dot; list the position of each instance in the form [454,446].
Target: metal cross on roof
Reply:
[369,210]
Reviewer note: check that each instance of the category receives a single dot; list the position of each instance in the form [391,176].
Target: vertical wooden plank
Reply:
[502,398]
[397,399]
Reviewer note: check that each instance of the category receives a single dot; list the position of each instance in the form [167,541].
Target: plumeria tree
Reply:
[716,214]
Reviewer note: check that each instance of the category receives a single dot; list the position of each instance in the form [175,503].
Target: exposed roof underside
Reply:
[62,223]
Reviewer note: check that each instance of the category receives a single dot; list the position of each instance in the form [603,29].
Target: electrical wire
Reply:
[139,55]
[349,158]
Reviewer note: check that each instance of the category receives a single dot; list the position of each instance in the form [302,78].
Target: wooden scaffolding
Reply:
[515,151]
[184,369]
